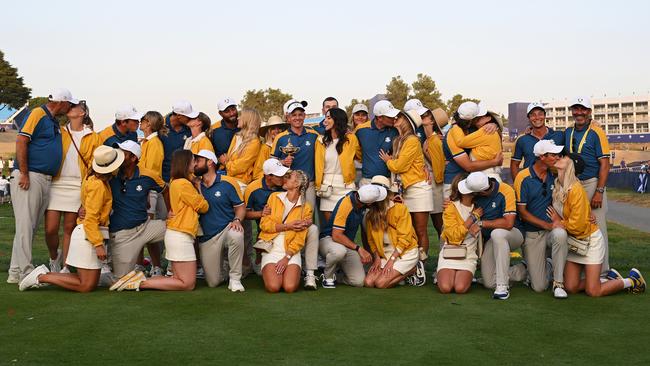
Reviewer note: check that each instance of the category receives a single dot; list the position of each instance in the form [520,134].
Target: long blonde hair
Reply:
[304,184]
[377,213]
[563,186]
[251,120]
[406,133]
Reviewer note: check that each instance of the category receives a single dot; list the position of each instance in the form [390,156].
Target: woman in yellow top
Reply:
[407,164]
[461,229]
[433,122]
[392,241]
[199,127]
[334,161]
[485,143]
[286,228]
[244,148]
[570,198]
[268,130]
[87,249]
[79,143]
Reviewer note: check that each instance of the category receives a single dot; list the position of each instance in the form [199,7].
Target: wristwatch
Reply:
[236,219]
[287,256]
[600,190]
[480,223]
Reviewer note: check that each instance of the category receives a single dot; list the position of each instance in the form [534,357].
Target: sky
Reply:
[151,53]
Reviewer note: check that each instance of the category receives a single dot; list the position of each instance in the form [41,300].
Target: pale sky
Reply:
[150,53]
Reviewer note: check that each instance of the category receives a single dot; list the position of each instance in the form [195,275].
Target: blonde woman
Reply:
[334,161]
[268,131]
[87,249]
[244,149]
[199,127]
[570,199]
[286,228]
[79,143]
[485,143]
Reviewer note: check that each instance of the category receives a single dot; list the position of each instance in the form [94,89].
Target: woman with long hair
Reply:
[79,143]
[286,228]
[87,251]
[200,127]
[485,143]
[186,203]
[334,161]
[244,148]
[268,130]
[433,121]
[572,207]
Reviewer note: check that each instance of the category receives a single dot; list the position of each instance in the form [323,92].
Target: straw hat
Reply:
[107,159]
[414,119]
[441,117]
[497,118]
[273,121]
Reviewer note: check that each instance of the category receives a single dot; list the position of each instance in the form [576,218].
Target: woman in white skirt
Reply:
[460,233]
[79,143]
[570,199]
[407,164]
[393,242]
[285,229]
[87,251]
[334,161]
[485,142]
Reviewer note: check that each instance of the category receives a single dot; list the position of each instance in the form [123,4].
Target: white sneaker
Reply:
[329,283]
[56,264]
[200,273]
[65,270]
[156,271]
[139,268]
[310,282]
[31,280]
[558,291]
[501,293]
[106,278]
[13,277]
[235,286]
[170,271]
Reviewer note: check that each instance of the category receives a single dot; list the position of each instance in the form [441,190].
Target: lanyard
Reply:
[582,141]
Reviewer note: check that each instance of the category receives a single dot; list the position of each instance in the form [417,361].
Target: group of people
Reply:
[193,190]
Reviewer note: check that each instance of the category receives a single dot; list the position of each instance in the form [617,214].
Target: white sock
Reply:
[627,283]
[310,272]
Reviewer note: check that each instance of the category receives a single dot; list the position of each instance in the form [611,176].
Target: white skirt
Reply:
[339,189]
[402,264]
[179,247]
[595,254]
[438,198]
[419,197]
[466,264]
[65,195]
[82,253]
[278,252]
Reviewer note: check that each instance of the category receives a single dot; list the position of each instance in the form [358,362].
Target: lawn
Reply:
[628,196]
[346,326]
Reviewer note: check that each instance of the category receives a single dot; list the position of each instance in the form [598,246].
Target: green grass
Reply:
[344,326]
[628,196]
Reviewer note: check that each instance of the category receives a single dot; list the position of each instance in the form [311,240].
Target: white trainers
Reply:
[235,286]
[501,292]
[13,277]
[56,264]
[65,270]
[122,280]
[106,278]
[329,283]
[139,268]
[31,280]
[200,273]
[558,291]
[310,282]
[156,271]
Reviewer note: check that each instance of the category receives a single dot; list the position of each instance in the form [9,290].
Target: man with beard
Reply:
[224,130]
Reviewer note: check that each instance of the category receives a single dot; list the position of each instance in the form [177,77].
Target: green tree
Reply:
[424,89]
[13,92]
[456,101]
[268,102]
[36,102]
[397,91]
[353,102]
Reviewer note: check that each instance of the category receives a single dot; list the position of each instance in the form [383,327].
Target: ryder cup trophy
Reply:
[289,149]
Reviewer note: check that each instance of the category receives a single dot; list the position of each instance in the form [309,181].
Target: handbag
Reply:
[265,245]
[454,251]
[325,191]
[578,246]
[103,230]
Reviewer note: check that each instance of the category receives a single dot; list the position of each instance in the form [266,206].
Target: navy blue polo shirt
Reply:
[259,194]
[222,137]
[172,142]
[372,139]
[131,197]
[116,137]
[419,132]
[304,159]
[222,196]
[45,149]
[499,203]
[320,128]
[525,143]
[345,217]
[592,145]
[451,151]
[534,194]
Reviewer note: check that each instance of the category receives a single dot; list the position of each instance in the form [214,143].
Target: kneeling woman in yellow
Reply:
[392,241]
[186,204]
[460,235]
[286,230]
[570,198]
[87,249]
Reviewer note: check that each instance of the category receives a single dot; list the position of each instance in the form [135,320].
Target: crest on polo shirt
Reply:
[307,143]
[217,194]
[387,139]
[494,205]
[419,135]
[138,188]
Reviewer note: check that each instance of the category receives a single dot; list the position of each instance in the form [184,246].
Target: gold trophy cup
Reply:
[289,149]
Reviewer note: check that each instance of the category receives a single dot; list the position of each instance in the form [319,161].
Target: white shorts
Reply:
[419,197]
[339,189]
[466,264]
[595,254]
[278,252]
[403,264]
[65,195]
[179,247]
[82,253]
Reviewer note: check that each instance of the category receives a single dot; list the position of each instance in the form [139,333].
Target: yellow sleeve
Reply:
[32,121]
[604,143]
[299,237]
[474,139]
[153,175]
[437,157]
[342,213]
[268,223]
[152,156]
[576,211]
[205,144]
[244,161]
[265,152]
[370,236]
[454,228]
[509,195]
[192,198]
[404,227]
[94,204]
[319,162]
[402,162]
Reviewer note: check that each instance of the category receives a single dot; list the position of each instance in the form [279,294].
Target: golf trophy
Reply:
[289,149]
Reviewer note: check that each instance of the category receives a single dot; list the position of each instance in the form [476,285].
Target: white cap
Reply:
[534,105]
[127,111]
[372,193]
[62,95]
[208,155]
[225,103]
[546,146]
[183,107]
[583,101]
[475,182]
[293,104]
[274,167]
[471,110]
[385,108]
[130,146]
[359,108]
[415,104]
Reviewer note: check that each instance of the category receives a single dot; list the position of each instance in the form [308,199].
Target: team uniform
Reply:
[454,232]
[408,168]
[335,172]
[222,138]
[525,143]
[198,143]
[371,140]
[111,135]
[398,236]
[151,158]
[484,146]
[452,151]
[304,158]
[186,204]
[437,161]
[264,154]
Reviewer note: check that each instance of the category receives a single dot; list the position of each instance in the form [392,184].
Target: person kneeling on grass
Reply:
[570,199]
[393,242]
[460,237]
[87,249]
[284,231]
[186,203]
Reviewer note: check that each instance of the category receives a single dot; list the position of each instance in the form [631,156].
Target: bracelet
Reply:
[600,190]
[236,219]
[287,256]
[356,249]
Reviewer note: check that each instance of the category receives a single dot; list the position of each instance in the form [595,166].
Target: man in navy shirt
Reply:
[224,130]
[39,153]
[127,119]
[376,135]
[328,103]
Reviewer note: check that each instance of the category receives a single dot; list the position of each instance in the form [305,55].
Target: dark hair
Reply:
[181,160]
[329,99]
[340,125]
[87,121]
[205,122]
[455,194]
[462,123]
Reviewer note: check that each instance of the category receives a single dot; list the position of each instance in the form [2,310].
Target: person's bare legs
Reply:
[272,280]
[436,220]
[463,281]
[591,284]
[446,280]
[184,278]
[52,223]
[291,278]
[420,222]
[85,280]
[69,223]
[391,279]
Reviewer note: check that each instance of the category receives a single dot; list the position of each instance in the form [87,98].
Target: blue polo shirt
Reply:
[304,159]
[222,137]
[320,128]
[372,139]
[451,151]
[592,145]
[419,132]
[172,142]
[259,194]
[345,217]
[499,203]
[45,149]
[534,194]
[117,137]
[222,196]
[131,197]
[525,143]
